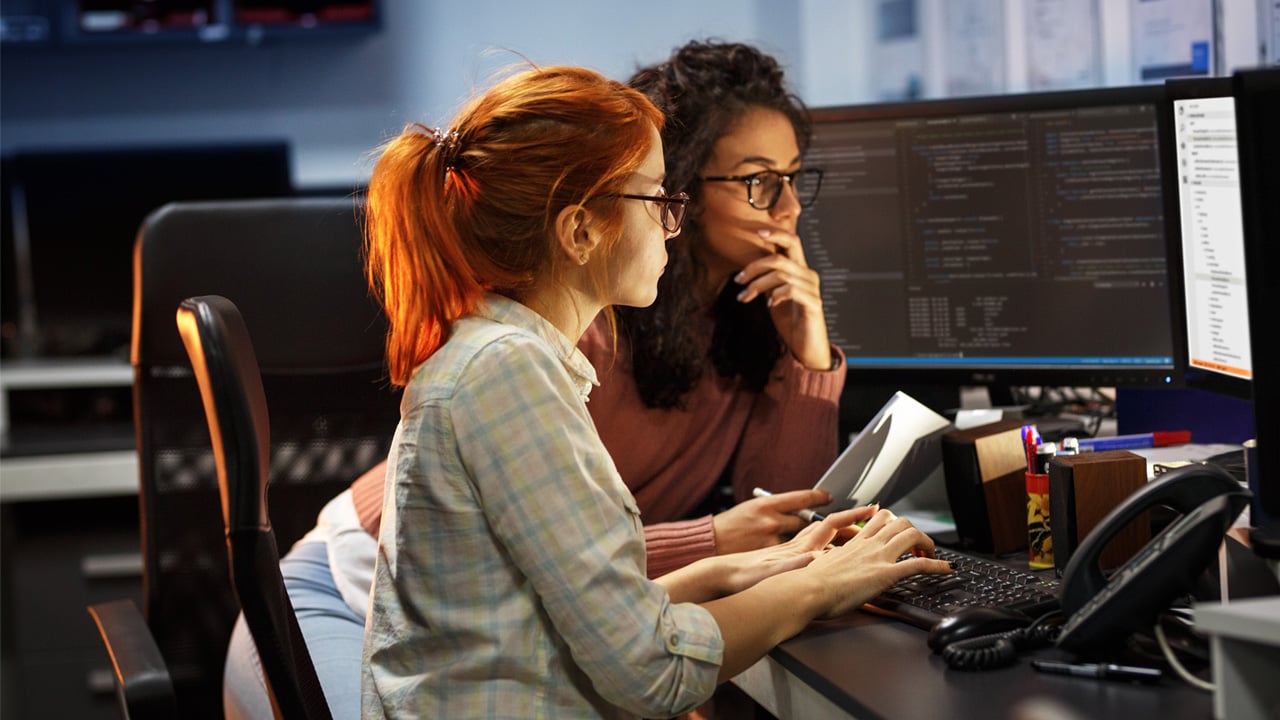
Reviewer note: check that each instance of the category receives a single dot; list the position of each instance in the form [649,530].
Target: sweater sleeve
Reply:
[671,546]
[791,437]
[366,495]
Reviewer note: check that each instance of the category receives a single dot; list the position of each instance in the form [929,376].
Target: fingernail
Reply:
[765,232]
[740,277]
[742,295]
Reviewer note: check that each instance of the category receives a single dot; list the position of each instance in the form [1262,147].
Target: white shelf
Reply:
[65,372]
[69,476]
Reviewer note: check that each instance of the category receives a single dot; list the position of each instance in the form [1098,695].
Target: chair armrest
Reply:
[142,679]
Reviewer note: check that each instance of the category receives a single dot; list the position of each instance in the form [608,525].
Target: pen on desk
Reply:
[1138,440]
[1105,671]
[806,514]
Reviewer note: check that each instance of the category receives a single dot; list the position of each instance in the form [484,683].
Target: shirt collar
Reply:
[509,312]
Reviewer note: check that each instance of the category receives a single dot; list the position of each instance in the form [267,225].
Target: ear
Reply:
[576,234]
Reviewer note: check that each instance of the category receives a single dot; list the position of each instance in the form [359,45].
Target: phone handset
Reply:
[1102,612]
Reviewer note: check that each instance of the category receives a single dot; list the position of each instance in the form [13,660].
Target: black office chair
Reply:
[294,270]
[235,404]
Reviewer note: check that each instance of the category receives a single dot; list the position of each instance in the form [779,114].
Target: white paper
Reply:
[1062,44]
[974,47]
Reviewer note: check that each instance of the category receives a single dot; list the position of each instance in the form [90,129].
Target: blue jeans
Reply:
[334,635]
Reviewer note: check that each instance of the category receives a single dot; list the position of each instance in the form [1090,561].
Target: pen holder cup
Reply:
[1039,533]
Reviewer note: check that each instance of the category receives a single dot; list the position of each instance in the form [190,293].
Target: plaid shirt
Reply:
[510,579]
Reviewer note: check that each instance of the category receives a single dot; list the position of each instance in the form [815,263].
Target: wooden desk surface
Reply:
[866,666]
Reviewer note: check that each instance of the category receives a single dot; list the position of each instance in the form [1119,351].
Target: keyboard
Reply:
[923,600]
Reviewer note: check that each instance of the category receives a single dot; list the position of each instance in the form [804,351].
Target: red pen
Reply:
[1030,441]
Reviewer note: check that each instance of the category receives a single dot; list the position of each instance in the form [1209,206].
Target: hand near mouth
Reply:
[794,297]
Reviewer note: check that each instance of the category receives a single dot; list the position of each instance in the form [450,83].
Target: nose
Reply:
[788,205]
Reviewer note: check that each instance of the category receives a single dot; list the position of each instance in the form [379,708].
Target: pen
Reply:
[1105,671]
[1030,439]
[806,514]
[1139,440]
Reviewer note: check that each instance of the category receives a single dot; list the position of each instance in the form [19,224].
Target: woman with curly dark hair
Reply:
[729,376]
[726,104]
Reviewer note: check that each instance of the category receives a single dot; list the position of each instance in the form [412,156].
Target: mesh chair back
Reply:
[293,268]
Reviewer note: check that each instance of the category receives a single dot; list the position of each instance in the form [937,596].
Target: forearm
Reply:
[755,620]
[698,582]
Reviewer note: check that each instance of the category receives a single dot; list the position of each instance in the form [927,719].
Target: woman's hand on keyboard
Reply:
[867,564]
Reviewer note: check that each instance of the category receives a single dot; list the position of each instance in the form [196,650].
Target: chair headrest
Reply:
[292,265]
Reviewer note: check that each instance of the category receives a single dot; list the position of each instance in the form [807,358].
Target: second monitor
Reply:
[1008,240]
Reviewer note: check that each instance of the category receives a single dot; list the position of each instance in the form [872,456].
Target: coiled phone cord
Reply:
[1000,649]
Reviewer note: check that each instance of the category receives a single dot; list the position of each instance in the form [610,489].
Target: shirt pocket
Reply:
[633,512]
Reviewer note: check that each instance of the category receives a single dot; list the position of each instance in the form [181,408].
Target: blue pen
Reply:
[1135,441]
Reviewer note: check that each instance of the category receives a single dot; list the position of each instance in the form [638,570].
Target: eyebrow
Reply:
[761,160]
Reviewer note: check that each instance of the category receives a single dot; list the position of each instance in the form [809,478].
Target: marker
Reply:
[1044,453]
[1104,671]
[1139,440]
[806,514]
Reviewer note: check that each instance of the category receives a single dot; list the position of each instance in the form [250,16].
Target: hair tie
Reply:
[447,142]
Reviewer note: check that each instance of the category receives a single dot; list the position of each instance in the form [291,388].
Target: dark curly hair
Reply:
[703,89]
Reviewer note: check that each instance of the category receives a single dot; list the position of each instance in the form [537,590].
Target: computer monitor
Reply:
[1202,191]
[1257,100]
[999,241]
[81,210]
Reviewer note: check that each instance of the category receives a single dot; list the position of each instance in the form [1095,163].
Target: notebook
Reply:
[898,449]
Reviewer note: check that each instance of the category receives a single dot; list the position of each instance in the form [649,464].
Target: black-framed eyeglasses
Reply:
[765,187]
[671,208]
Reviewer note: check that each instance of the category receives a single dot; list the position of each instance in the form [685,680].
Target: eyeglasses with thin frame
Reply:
[671,208]
[765,187]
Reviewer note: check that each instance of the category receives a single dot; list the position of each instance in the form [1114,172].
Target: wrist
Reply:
[807,597]
[817,591]
[824,361]
[715,575]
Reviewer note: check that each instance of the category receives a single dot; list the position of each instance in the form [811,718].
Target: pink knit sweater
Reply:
[780,439]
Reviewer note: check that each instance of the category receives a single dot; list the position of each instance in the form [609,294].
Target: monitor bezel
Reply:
[1257,93]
